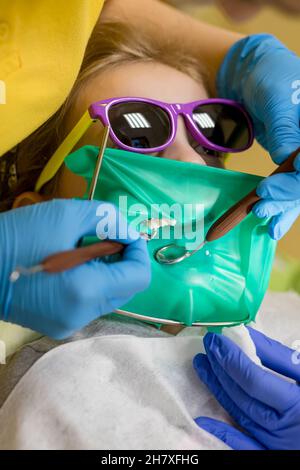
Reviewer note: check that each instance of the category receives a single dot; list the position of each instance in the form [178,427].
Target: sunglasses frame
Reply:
[100,110]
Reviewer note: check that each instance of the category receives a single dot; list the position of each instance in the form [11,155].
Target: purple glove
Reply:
[266,406]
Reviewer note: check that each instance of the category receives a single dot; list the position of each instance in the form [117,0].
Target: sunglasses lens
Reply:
[223,125]
[140,125]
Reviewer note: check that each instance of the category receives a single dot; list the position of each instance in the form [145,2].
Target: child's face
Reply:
[147,80]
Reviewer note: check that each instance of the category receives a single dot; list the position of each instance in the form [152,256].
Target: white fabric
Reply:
[241,336]
[124,392]
[113,392]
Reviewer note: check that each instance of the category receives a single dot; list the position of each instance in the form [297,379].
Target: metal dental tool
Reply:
[173,254]
[99,162]
[64,260]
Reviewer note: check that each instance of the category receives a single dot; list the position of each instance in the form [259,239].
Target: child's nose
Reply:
[181,149]
[183,152]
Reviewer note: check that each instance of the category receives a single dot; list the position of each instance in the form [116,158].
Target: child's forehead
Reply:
[144,79]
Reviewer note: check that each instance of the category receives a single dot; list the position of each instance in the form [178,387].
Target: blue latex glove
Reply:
[260,72]
[266,406]
[59,304]
[280,200]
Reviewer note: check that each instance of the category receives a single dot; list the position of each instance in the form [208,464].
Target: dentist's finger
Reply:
[269,207]
[206,374]
[104,220]
[228,434]
[280,187]
[275,355]
[257,411]
[281,223]
[258,383]
[283,132]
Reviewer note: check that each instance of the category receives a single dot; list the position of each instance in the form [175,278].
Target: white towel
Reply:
[125,392]
[113,392]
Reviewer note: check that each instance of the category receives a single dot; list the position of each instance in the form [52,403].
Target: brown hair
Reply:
[110,45]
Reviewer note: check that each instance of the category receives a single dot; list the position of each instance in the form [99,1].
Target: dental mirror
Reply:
[172,254]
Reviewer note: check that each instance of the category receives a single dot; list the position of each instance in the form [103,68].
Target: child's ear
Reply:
[27,199]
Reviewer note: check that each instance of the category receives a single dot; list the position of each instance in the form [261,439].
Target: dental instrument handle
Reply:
[242,208]
[64,260]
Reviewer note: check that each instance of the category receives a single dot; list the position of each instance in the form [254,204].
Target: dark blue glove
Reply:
[59,304]
[266,406]
[260,72]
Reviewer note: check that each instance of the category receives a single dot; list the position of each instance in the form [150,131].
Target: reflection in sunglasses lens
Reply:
[140,125]
[223,125]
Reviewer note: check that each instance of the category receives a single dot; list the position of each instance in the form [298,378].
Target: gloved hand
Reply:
[260,72]
[280,200]
[266,406]
[59,304]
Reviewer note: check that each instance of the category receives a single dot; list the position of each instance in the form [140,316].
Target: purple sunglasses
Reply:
[145,126]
